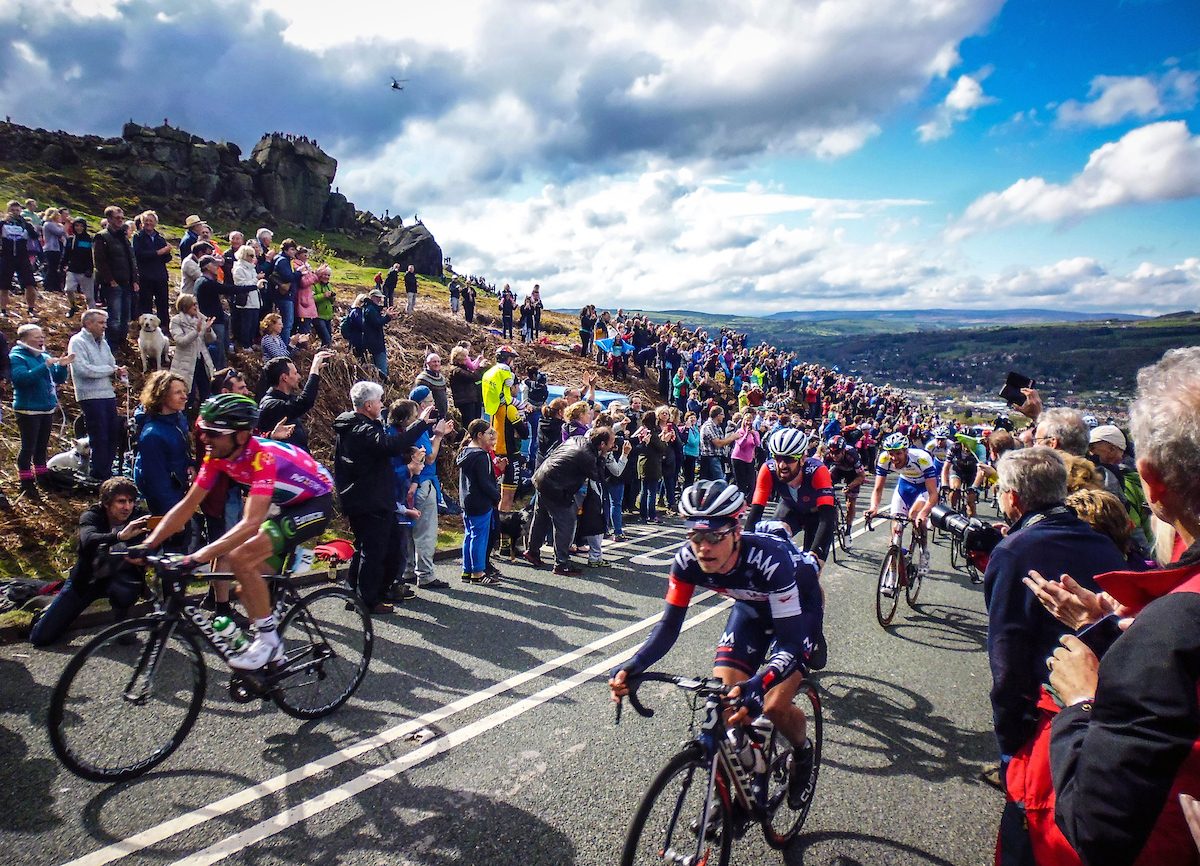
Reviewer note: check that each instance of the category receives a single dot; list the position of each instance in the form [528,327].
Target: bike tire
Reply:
[90,714]
[844,529]
[885,607]
[912,586]
[684,778]
[329,639]
[956,554]
[785,822]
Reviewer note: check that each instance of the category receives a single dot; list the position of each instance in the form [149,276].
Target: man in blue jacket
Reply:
[1048,537]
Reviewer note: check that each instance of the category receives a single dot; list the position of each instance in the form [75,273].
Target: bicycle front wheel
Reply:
[887,591]
[784,822]
[127,700]
[329,639]
[670,824]
[912,588]
[956,553]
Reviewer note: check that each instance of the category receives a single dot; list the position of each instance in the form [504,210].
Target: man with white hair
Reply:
[92,372]
[366,489]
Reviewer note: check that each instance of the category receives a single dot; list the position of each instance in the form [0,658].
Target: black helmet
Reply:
[228,413]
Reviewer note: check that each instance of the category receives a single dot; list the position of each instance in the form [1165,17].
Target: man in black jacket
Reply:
[366,489]
[389,284]
[95,575]
[117,275]
[557,480]
[286,400]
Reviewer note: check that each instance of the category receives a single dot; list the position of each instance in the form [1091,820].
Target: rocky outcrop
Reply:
[293,178]
[413,245]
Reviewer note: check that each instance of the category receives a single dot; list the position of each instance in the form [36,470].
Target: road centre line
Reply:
[332,797]
[174,826]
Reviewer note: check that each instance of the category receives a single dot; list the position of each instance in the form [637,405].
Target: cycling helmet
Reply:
[836,443]
[505,350]
[895,442]
[787,442]
[941,433]
[227,413]
[711,504]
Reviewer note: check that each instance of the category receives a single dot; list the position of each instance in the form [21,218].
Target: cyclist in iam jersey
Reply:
[290,501]
[804,488]
[776,618]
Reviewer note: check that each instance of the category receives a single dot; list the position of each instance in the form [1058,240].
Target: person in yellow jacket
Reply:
[507,419]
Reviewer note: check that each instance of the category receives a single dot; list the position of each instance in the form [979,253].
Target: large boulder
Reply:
[413,245]
[293,178]
[339,213]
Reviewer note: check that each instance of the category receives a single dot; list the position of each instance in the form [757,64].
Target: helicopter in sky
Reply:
[398,83]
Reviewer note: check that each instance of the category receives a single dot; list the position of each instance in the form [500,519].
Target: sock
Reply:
[222,608]
[266,629]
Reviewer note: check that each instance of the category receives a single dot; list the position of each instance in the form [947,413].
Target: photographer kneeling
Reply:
[95,574]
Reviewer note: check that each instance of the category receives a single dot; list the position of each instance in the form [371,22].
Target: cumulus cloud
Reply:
[960,103]
[1158,162]
[1116,98]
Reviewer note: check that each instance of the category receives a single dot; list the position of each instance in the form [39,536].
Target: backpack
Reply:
[352,328]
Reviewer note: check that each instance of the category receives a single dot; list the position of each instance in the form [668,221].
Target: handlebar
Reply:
[699,685]
[882,515]
[162,562]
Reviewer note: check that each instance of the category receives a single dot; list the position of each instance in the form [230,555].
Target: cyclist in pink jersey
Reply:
[290,501]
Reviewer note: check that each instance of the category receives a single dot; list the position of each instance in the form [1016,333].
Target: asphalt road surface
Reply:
[483,733]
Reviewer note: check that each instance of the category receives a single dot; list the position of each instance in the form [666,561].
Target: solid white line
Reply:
[174,826]
[327,799]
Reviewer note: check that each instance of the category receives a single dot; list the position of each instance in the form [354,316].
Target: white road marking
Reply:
[172,827]
[327,799]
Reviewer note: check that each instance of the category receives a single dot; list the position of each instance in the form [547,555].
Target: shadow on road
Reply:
[868,851]
[878,728]
[945,627]
[26,784]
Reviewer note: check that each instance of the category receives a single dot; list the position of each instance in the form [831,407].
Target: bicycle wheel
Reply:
[666,826]
[127,699]
[784,822]
[329,639]
[956,553]
[912,588]
[890,571]
[844,528]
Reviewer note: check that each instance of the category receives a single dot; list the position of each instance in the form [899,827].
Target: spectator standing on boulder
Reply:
[285,401]
[92,372]
[465,387]
[54,235]
[34,376]
[389,284]
[410,287]
[77,260]
[17,236]
[191,332]
[323,295]
[117,273]
[468,299]
[536,295]
[375,317]
[153,253]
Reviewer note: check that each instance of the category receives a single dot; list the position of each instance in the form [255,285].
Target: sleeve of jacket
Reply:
[1114,767]
[92,536]
[1009,644]
[304,401]
[24,373]
[182,333]
[5,361]
[375,438]
[100,254]
[82,366]
[483,479]
[155,475]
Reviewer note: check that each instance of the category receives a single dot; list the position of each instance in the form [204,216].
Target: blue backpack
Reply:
[352,328]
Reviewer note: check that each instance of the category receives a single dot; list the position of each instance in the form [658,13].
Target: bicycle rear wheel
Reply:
[843,534]
[956,553]
[889,575]
[127,700]
[784,821]
[912,587]
[329,639]
[668,824]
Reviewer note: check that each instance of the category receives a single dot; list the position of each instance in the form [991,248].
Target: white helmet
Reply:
[787,442]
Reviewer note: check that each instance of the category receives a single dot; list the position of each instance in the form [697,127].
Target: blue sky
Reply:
[748,157]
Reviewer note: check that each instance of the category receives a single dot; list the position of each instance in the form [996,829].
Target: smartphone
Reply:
[152,523]
[1011,392]
[435,415]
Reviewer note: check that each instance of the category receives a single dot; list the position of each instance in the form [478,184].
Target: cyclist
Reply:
[960,471]
[845,467]
[804,488]
[938,446]
[776,617]
[290,501]
[917,488]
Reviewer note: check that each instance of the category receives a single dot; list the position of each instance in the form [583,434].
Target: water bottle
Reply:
[229,632]
[762,730]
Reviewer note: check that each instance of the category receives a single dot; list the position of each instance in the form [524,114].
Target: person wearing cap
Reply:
[209,290]
[77,260]
[1107,445]
[375,316]
[191,234]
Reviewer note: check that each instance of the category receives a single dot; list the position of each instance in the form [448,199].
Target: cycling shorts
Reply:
[965,472]
[749,640]
[905,496]
[844,476]
[290,525]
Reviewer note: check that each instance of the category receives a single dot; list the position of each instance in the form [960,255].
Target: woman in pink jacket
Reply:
[742,455]
[306,304]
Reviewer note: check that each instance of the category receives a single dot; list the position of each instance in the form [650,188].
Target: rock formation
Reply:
[413,245]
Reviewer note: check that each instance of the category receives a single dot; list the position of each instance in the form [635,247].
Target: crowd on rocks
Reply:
[1093,595]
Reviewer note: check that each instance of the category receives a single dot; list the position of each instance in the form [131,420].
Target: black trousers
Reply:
[377,544]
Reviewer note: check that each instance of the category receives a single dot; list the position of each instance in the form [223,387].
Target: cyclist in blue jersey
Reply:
[776,618]
[916,492]
[938,447]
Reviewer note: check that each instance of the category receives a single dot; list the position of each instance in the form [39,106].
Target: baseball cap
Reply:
[1110,434]
[377,293]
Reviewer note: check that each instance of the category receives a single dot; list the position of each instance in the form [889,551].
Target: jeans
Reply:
[245,326]
[616,496]
[649,506]
[412,301]
[286,308]
[72,600]
[476,529]
[453,304]
[535,420]
[118,300]
[154,296]
[217,349]
[424,533]
[689,470]
[506,325]
[102,428]
[323,331]
[743,475]
[379,359]
[670,483]
[595,545]
[52,282]
[35,437]
[711,468]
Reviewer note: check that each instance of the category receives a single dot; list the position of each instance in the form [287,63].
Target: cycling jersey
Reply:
[289,475]
[963,462]
[913,473]
[847,461]
[777,593]
[815,490]
[938,453]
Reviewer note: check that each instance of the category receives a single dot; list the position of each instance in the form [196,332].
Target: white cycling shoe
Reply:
[259,654]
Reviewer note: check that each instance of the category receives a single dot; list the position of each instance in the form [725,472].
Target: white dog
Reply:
[152,343]
[78,459]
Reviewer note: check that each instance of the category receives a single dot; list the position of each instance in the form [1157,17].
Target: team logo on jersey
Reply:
[726,641]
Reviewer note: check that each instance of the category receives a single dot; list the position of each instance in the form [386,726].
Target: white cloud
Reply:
[963,100]
[1158,162]
[1116,98]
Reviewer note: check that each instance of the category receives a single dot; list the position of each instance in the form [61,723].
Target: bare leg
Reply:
[778,705]
[246,563]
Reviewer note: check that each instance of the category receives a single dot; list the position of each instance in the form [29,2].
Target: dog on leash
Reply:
[514,527]
[78,459]
[153,343]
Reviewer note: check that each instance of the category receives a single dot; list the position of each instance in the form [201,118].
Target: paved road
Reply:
[483,734]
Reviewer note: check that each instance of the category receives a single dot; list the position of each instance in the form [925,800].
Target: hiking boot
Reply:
[800,782]
[567,570]
[599,563]
[399,592]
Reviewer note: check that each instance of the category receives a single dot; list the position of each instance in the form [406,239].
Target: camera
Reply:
[977,536]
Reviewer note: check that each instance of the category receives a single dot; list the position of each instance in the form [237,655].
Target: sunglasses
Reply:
[700,536]
[788,460]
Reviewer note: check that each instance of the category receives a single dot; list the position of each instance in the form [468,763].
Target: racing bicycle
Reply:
[898,570]
[842,533]
[723,782]
[130,696]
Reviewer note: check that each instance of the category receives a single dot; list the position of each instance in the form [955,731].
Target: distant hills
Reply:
[956,318]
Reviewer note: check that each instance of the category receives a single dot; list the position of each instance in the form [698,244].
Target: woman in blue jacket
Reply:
[164,452]
[35,374]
